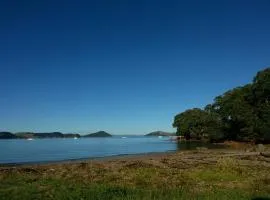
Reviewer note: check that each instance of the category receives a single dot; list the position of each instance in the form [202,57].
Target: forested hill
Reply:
[98,134]
[7,135]
[26,135]
[160,133]
[242,114]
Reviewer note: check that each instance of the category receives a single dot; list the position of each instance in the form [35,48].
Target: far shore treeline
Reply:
[26,135]
[240,114]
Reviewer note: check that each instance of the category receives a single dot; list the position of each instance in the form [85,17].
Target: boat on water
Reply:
[75,138]
[123,137]
[29,139]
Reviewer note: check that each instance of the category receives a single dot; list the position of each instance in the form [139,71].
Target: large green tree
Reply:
[261,102]
[197,123]
[242,113]
[237,114]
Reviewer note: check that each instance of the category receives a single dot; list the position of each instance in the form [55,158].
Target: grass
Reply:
[64,190]
[172,177]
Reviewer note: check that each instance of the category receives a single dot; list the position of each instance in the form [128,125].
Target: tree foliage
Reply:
[242,113]
[197,123]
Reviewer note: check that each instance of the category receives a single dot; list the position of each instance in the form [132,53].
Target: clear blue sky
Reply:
[127,66]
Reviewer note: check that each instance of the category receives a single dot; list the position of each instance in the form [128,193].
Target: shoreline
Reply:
[141,157]
[244,148]
[192,153]
[88,159]
[110,157]
[219,146]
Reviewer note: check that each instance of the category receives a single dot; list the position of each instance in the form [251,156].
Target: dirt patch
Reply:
[137,164]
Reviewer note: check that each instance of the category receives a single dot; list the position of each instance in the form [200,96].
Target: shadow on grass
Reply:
[261,198]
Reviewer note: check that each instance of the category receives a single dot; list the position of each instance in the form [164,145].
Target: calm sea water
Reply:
[44,150]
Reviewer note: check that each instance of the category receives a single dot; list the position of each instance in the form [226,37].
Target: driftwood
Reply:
[265,154]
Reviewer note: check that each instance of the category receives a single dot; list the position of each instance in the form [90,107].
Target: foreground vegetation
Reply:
[241,114]
[201,174]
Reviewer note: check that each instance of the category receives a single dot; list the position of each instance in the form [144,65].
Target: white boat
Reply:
[124,137]
[29,138]
[75,138]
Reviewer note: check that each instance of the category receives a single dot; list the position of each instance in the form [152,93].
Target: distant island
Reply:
[160,133]
[98,134]
[28,135]
[7,135]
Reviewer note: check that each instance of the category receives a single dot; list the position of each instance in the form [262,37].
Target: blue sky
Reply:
[126,67]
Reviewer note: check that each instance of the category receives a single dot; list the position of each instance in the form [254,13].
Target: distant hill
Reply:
[7,135]
[49,135]
[26,135]
[160,133]
[99,134]
[23,135]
